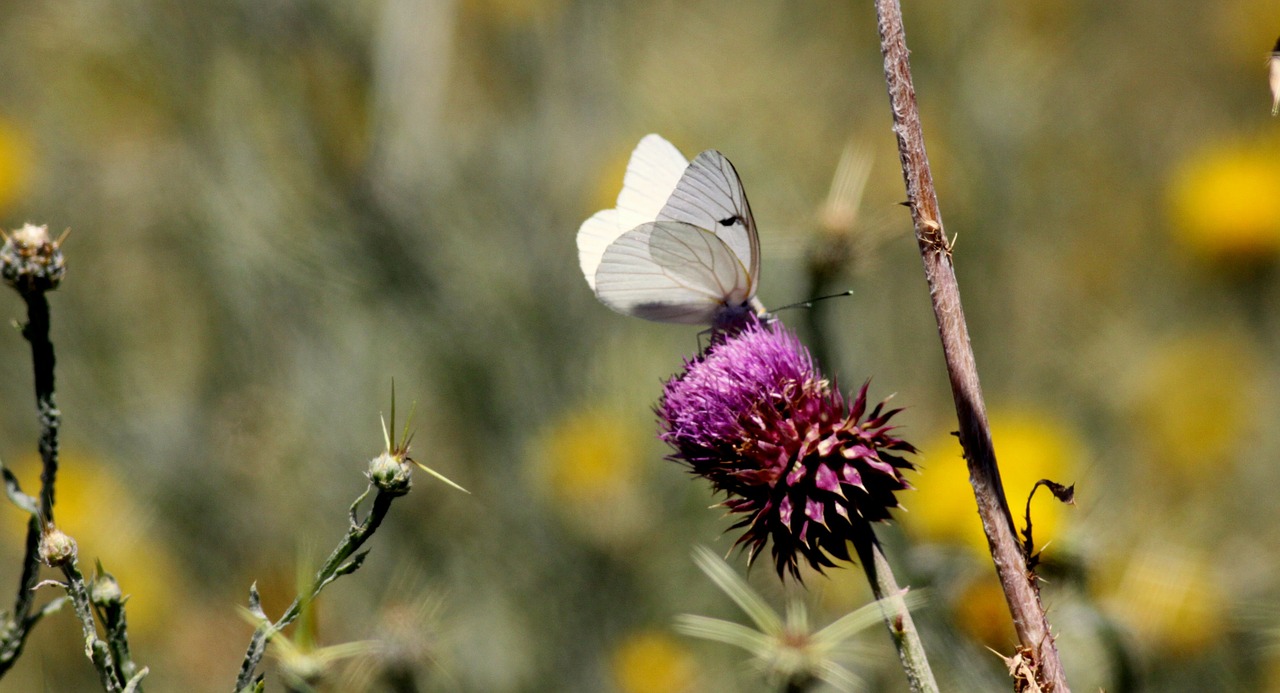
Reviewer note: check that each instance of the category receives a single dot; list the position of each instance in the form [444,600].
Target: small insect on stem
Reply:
[936,239]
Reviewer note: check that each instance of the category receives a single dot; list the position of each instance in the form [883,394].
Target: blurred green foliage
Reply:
[277,207]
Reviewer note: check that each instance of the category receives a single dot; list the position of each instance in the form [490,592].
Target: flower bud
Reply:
[106,591]
[31,261]
[390,473]
[56,547]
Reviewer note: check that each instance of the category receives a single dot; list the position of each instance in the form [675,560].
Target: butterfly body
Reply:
[680,246]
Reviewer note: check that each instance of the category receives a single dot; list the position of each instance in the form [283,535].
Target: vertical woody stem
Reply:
[1019,585]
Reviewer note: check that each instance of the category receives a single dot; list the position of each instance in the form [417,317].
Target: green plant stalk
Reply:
[342,561]
[112,616]
[1019,583]
[897,617]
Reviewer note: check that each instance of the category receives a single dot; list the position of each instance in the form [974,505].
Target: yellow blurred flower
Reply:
[651,661]
[1030,446]
[109,523]
[15,163]
[1225,201]
[1167,598]
[1195,403]
[981,611]
[592,455]
[590,467]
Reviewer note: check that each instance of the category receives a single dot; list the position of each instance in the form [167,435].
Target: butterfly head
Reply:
[732,318]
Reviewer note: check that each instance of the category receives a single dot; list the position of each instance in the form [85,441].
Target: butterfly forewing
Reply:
[710,196]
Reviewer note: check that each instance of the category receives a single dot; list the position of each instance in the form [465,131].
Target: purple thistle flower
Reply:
[754,417]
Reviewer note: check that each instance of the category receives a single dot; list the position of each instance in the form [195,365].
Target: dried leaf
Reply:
[1065,494]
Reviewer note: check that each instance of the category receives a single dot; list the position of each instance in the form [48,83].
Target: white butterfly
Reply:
[681,245]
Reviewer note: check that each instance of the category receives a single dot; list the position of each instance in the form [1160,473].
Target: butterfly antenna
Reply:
[809,303]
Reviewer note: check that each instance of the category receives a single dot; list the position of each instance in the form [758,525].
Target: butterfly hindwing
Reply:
[653,172]
[671,272]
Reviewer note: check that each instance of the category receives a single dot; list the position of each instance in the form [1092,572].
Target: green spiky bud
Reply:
[391,473]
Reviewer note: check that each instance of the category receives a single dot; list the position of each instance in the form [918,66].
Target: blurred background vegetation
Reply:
[277,207]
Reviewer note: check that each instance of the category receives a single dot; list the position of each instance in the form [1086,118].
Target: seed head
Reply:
[56,547]
[30,260]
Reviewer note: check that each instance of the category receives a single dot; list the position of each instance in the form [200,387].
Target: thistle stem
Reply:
[1019,584]
[342,561]
[896,616]
[21,619]
[36,331]
[98,650]
[110,611]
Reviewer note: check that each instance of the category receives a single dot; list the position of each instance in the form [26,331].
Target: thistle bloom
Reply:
[754,417]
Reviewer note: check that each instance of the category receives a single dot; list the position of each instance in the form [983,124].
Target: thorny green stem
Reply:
[36,332]
[896,616]
[340,562]
[20,619]
[1019,584]
[112,615]
[98,651]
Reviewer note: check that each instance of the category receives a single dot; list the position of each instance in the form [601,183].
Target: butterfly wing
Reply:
[710,196]
[654,171]
[671,271]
